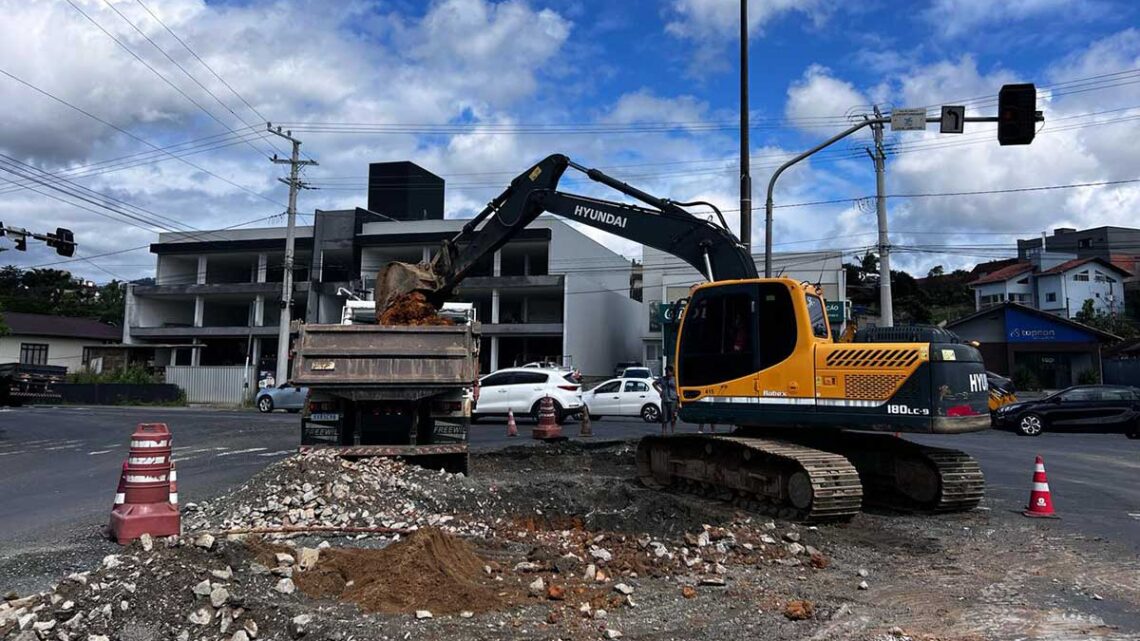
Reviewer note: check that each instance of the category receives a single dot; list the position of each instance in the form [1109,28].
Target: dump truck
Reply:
[401,391]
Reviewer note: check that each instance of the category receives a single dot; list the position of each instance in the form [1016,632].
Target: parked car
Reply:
[624,397]
[521,389]
[1103,408]
[283,397]
[623,365]
[546,365]
[638,372]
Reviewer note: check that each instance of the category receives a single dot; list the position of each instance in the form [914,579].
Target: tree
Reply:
[1116,324]
[935,272]
[57,292]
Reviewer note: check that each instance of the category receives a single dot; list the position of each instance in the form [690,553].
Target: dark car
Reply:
[1094,408]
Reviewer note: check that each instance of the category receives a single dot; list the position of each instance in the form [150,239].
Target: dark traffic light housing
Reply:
[63,240]
[1017,114]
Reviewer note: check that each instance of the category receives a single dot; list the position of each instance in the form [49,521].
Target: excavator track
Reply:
[772,476]
[902,475]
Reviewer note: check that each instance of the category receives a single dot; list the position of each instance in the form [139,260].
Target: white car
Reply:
[638,373]
[521,389]
[624,397]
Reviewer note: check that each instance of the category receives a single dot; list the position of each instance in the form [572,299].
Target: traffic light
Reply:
[1017,114]
[19,239]
[63,241]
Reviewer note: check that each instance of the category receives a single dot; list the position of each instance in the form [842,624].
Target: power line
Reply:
[133,136]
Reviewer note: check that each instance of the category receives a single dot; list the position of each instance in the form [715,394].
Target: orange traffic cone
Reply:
[512,429]
[1040,500]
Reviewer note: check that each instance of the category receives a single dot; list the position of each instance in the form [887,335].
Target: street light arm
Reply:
[779,170]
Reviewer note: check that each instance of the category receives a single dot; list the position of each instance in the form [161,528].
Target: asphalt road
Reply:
[59,467]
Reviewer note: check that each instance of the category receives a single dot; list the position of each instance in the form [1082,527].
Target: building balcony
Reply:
[173,332]
[207,289]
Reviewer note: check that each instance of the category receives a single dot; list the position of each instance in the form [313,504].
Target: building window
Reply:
[1085,243]
[1082,276]
[1023,281]
[33,353]
[1051,297]
[993,299]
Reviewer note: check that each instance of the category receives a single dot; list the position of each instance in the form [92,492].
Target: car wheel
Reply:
[1030,425]
[650,413]
[265,404]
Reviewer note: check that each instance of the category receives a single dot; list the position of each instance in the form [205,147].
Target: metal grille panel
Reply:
[871,386]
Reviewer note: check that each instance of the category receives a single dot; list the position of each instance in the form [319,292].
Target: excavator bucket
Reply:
[398,280]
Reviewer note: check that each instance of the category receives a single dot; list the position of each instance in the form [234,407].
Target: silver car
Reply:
[283,397]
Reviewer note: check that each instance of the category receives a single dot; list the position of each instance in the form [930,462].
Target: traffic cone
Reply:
[547,428]
[586,429]
[120,493]
[173,484]
[1040,500]
[512,429]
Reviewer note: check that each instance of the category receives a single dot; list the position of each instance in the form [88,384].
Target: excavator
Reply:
[817,423]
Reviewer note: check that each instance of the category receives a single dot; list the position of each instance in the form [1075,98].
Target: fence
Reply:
[215,385]
[116,393]
[1122,371]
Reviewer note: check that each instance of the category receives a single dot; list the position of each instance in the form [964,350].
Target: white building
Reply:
[1054,282]
[667,279]
[550,293]
[42,339]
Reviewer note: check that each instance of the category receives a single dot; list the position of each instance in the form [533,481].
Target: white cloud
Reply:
[818,94]
[956,18]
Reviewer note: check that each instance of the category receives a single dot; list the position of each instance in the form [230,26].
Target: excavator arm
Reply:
[664,225]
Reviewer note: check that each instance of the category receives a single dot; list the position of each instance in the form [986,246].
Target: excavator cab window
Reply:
[732,331]
[818,315]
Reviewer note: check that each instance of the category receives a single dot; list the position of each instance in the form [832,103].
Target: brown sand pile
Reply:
[429,570]
[411,309]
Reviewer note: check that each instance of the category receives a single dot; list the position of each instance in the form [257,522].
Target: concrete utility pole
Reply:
[295,163]
[745,178]
[880,157]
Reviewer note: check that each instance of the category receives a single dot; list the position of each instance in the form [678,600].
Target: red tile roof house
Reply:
[1060,287]
[42,339]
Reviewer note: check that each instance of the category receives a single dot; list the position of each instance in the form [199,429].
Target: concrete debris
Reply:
[795,549]
[537,587]
[111,561]
[205,541]
[590,573]
[219,596]
[224,575]
[240,635]
[285,586]
[612,634]
[794,537]
[307,558]
[250,627]
[423,614]
[863,585]
[623,589]
[201,616]
[863,573]
[284,558]
[204,588]
[147,542]
[466,614]
[713,581]
[601,554]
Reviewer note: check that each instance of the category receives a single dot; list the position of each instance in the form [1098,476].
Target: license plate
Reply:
[327,417]
[322,366]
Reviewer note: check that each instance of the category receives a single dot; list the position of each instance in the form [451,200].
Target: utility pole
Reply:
[880,157]
[295,163]
[745,178]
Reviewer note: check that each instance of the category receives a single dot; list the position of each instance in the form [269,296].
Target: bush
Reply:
[1024,379]
[132,374]
[1088,377]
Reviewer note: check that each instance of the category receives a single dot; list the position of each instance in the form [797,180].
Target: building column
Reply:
[262,267]
[255,361]
[494,353]
[199,311]
[497,264]
[201,279]
[258,311]
[196,355]
[494,306]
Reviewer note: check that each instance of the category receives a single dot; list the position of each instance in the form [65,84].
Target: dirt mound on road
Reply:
[429,570]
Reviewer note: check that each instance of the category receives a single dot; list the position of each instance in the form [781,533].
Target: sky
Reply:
[124,118]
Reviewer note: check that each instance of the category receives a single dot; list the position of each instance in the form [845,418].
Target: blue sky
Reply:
[518,79]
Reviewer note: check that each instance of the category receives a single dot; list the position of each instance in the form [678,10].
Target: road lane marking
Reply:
[277,453]
[197,451]
[98,452]
[250,450]
[1135,515]
[61,447]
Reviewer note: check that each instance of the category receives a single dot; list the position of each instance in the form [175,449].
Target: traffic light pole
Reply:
[769,205]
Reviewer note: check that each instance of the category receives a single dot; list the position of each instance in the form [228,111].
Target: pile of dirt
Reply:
[428,570]
[411,309]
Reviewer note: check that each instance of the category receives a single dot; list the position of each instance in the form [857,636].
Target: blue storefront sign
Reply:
[1026,328]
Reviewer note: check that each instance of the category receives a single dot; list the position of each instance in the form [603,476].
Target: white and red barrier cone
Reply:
[512,429]
[1040,499]
[547,428]
[173,484]
[146,487]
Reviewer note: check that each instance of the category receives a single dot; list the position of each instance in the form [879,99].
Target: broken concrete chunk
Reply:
[205,540]
[285,586]
[204,588]
[307,558]
[423,614]
[624,589]
[201,616]
[284,558]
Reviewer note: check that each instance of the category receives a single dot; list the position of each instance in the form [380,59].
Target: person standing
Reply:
[669,400]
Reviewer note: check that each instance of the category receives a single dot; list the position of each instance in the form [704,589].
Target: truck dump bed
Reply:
[358,361]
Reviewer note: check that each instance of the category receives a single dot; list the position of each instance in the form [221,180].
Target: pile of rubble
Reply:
[320,491]
[314,542]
